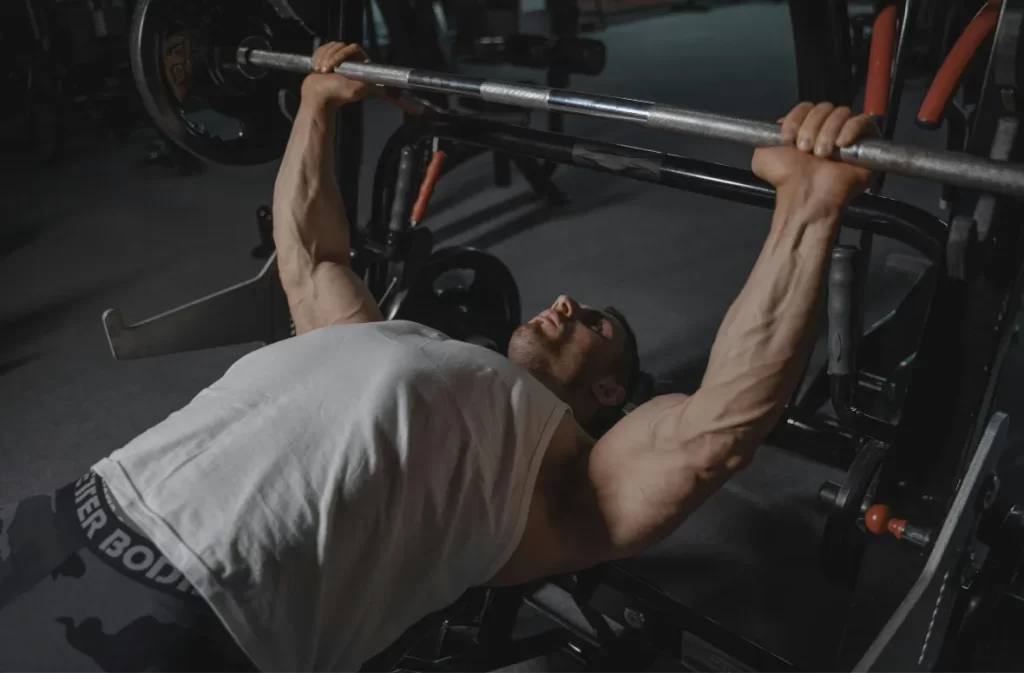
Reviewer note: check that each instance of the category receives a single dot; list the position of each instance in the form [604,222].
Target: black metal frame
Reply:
[948,402]
[893,219]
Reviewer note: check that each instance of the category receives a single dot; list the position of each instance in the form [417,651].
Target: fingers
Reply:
[824,127]
[332,54]
[825,140]
[856,128]
[791,122]
[811,126]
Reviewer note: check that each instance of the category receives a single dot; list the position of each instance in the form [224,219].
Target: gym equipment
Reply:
[465,293]
[946,167]
[203,50]
[948,77]
[198,98]
[253,311]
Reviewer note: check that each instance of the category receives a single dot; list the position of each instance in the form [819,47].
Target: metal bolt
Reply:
[989,492]
[634,618]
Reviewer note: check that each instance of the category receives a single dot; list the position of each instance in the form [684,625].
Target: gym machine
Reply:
[921,535]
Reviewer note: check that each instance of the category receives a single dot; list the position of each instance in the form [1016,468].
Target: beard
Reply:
[531,348]
[550,359]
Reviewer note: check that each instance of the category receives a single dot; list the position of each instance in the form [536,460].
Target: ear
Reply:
[607,391]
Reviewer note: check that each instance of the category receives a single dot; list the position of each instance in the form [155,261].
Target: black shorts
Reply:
[82,591]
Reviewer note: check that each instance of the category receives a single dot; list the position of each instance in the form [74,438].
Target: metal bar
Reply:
[814,438]
[899,68]
[951,168]
[883,216]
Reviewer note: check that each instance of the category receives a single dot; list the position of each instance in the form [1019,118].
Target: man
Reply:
[332,489]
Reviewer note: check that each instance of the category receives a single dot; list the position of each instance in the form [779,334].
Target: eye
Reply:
[598,323]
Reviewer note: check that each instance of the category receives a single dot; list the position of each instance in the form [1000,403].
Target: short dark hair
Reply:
[627,363]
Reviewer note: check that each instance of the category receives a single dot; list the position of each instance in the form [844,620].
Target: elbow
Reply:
[715,458]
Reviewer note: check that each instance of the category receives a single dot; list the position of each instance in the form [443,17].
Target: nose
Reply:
[566,306]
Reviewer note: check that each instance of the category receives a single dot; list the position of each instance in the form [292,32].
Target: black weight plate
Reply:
[182,58]
[466,293]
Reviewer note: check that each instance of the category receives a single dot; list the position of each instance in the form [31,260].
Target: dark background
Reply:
[100,230]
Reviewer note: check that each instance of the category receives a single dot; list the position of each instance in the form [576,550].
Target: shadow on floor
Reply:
[484,216]
[18,362]
[543,213]
[18,238]
[43,319]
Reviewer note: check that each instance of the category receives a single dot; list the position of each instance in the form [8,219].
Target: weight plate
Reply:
[182,58]
[466,293]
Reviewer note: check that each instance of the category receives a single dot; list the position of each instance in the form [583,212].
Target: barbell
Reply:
[224,53]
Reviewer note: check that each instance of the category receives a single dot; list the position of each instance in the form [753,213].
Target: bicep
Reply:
[330,294]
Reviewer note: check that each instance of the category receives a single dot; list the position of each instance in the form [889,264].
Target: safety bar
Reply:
[869,212]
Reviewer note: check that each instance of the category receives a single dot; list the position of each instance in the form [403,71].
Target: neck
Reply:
[583,408]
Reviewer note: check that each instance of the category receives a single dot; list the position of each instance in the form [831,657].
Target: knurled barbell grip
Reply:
[952,168]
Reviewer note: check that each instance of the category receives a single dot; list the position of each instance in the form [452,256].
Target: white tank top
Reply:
[332,489]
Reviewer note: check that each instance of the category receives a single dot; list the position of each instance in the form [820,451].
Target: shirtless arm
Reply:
[641,479]
[311,231]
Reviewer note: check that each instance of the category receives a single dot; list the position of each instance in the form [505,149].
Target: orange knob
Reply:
[878,519]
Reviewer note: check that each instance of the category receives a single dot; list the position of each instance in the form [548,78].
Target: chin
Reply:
[528,347]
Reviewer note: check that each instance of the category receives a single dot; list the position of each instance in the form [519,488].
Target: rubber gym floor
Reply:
[99,231]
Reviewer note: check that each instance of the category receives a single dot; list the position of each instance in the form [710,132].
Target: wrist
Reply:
[809,192]
[317,106]
[314,98]
[800,207]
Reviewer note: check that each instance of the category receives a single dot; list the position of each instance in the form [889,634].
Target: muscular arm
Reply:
[610,499]
[311,232]
[667,457]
